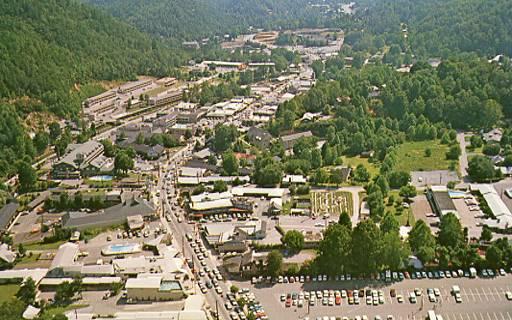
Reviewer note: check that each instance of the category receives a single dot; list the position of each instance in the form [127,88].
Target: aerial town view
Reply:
[255,159]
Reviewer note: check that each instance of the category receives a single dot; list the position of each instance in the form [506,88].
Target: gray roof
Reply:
[444,201]
[259,134]
[112,215]
[74,151]
[295,136]
[7,213]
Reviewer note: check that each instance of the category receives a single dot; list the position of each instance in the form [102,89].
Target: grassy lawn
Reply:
[58,310]
[28,259]
[44,246]
[355,161]
[7,291]
[411,156]
[403,215]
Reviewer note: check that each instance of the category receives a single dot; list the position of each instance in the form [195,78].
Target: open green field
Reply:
[7,291]
[44,246]
[355,161]
[331,202]
[411,156]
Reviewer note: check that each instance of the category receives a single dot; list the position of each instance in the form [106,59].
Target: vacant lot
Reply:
[332,202]
[355,161]
[411,156]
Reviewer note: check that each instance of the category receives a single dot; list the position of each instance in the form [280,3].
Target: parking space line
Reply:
[467,314]
[495,316]
[498,293]
[479,295]
[460,315]
[509,317]
[488,316]
[502,316]
[492,295]
[481,316]
[472,294]
[474,316]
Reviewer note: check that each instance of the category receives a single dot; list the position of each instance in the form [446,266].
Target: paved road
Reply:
[463,158]
[179,230]
[355,202]
[483,299]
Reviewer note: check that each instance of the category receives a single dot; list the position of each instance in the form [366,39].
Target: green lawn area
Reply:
[404,215]
[355,161]
[7,291]
[44,246]
[57,310]
[411,156]
[28,259]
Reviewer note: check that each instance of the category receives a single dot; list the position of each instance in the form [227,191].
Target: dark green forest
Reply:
[443,27]
[194,19]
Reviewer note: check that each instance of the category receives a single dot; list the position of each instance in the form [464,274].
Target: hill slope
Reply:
[46,46]
[438,27]
[50,47]
[193,19]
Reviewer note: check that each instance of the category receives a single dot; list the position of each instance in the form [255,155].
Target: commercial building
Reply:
[218,234]
[165,121]
[79,159]
[167,81]
[440,200]
[114,215]
[194,181]
[153,288]
[290,140]
[166,98]
[214,203]
[135,85]
[266,192]
[109,95]
[502,214]
[6,254]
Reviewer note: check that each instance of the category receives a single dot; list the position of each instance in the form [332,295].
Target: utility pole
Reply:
[217,309]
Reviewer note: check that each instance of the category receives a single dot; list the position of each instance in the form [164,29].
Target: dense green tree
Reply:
[27,176]
[486,234]
[293,241]
[366,246]
[408,191]
[394,253]
[389,224]
[375,202]
[450,231]
[123,162]
[230,164]
[41,141]
[481,168]
[334,250]
[220,186]
[27,291]
[383,185]
[361,174]
[274,263]
[453,153]
[422,242]
[345,220]
[224,137]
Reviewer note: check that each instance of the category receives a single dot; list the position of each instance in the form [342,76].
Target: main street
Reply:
[178,230]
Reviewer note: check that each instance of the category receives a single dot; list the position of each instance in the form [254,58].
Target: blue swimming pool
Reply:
[124,248]
[101,178]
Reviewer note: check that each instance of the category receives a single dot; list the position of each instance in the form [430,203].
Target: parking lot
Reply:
[482,299]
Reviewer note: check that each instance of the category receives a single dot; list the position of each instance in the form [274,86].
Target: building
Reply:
[64,263]
[129,87]
[179,130]
[294,179]
[502,214]
[78,159]
[167,81]
[290,140]
[166,98]
[6,254]
[109,95]
[114,215]
[165,121]
[440,200]
[259,137]
[191,45]
[7,215]
[153,288]
[265,192]
[494,135]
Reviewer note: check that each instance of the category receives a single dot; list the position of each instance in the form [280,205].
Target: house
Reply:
[166,98]
[259,137]
[290,140]
[294,179]
[7,215]
[149,152]
[64,263]
[78,159]
[494,135]
[245,263]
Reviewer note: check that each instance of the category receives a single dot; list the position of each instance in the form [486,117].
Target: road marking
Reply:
[474,316]
[479,295]
[502,316]
[495,316]
[492,295]
[509,317]
[481,316]
[467,314]
[498,293]
[488,316]
[461,318]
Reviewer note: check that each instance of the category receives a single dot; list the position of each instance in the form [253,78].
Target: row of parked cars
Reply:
[252,306]
[332,297]
[363,317]
[386,276]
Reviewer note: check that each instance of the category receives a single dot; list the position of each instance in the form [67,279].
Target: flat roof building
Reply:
[440,200]
[290,140]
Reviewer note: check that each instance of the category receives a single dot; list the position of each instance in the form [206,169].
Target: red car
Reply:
[288,303]
[338,300]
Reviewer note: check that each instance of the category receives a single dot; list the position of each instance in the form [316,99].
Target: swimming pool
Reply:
[122,248]
[101,178]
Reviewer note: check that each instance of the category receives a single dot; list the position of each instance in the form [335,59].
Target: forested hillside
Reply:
[51,48]
[441,27]
[48,46]
[193,19]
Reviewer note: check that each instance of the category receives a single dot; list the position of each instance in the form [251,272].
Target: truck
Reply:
[472,272]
